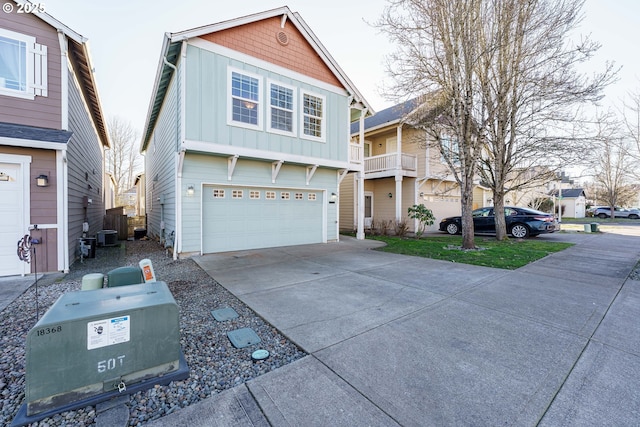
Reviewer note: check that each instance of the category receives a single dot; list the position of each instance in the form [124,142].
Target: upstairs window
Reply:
[281,116]
[245,108]
[23,65]
[313,122]
[449,150]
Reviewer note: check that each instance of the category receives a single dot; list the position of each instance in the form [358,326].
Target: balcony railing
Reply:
[355,153]
[388,163]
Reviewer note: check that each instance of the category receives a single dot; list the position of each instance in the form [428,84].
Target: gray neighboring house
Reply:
[52,141]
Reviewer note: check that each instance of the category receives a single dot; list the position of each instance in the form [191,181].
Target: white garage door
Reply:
[11,226]
[238,218]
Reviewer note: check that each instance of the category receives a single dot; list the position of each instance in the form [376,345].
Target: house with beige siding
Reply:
[247,137]
[52,140]
[401,168]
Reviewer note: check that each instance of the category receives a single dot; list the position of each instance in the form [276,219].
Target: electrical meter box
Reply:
[91,342]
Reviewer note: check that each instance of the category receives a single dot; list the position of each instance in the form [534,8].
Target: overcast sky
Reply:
[125,37]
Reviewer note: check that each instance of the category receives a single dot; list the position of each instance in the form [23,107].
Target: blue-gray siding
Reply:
[206,110]
[84,157]
[212,170]
[161,167]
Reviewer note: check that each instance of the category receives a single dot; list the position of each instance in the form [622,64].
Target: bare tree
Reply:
[613,163]
[631,114]
[505,83]
[533,93]
[436,55]
[123,160]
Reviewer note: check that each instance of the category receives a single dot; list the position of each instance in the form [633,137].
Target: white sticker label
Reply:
[102,333]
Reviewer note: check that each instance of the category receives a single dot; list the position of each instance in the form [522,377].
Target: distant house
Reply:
[247,136]
[573,202]
[128,200]
[52,140]
[400,169]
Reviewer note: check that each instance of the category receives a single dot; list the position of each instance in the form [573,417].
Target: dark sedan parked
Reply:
[521,222]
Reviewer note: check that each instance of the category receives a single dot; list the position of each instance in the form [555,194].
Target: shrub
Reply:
[400,227]
[423,215]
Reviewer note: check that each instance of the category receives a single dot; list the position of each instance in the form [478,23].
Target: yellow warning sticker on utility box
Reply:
[102,333]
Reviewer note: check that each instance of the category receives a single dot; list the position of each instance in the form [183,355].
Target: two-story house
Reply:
[247,136]
[52,139]
[402,167]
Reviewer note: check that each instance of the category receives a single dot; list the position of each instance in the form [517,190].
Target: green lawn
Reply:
[509,254]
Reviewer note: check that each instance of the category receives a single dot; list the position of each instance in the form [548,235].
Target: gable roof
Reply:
[79,54]
[570,192]
[172,45]
[387,117]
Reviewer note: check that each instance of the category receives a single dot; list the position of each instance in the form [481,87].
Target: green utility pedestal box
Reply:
[92,342]
[124,276]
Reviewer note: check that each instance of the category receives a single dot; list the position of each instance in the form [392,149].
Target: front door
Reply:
[12,227]
[368,209]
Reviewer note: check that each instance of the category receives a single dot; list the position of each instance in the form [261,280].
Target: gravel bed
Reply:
[215,364]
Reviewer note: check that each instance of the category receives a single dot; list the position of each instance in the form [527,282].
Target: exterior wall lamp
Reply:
[333,198]
[390,195]
[191,190]
[42,180]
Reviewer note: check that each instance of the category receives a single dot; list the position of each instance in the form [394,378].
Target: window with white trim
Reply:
[449,149]
[254,194]
[285,195]
[282,109]
[311,196]
[237,194]
[299,196]
[270,195]
[245,106]
[312,116]
[23,65]
[218,193]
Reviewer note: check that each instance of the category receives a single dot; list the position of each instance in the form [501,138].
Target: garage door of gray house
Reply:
[239,218]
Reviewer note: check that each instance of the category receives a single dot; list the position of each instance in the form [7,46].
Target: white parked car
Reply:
[605,212]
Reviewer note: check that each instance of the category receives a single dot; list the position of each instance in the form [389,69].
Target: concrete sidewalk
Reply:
[397,340]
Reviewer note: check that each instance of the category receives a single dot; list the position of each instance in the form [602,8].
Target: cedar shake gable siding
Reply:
[260,40]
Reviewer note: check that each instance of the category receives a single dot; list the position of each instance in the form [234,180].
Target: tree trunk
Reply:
[498,212]
[468,231]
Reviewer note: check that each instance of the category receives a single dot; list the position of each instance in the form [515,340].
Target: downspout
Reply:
[360,178]
[178,228]
[64,193]
[62,187]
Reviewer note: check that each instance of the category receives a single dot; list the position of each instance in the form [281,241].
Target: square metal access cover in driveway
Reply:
[244,337]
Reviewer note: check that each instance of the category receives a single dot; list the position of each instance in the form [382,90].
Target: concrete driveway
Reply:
[398,340]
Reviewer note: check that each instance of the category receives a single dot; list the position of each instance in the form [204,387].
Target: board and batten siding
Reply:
[202,169]
[85,174]
[160,167]
[348,203]
[207,105]
[43,111]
